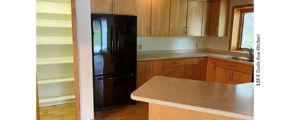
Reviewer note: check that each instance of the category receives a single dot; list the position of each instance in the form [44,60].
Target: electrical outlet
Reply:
[139,47]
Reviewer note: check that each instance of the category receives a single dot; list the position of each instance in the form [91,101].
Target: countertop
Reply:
[160,56]
[220,99]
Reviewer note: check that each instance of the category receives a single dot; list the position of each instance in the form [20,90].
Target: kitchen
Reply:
[186,39]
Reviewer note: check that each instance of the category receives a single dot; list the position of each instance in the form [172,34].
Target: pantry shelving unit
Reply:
[55,52]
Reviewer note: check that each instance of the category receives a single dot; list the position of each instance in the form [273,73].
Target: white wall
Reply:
[83,19]
[220,43]
[170,43]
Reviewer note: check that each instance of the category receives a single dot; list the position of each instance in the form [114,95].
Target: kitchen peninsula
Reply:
[172,98]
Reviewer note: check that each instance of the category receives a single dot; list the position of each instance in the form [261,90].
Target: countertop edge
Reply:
[194,108]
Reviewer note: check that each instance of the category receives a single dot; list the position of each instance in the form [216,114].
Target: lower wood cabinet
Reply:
[191,71]
[196,68]
[228,72]
[146,70]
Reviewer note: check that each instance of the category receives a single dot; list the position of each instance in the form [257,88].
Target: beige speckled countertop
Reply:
[215,98]
[159,56]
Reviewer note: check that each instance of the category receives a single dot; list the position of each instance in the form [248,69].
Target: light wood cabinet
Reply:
[102,6]
[191,71]
[123,7]
[239,77]
[228,72]
[160,18]
[210,70]
[219,10]
[143,11]
[146,70]
[201,68]
[207,17]
[222,75]
[174,68]
[195,18]
[178,14]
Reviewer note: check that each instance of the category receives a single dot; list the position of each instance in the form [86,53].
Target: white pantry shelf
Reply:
[56,99]
[47,61]
[51,81]
[53,23]
[53,7]
[53,40]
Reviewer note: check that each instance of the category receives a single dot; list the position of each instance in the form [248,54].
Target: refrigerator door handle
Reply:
[112,45]
[116,48]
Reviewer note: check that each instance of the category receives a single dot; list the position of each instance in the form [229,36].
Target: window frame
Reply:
[234,29]
[243,11]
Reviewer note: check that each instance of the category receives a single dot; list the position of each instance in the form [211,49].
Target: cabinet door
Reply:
[102,6]
[219,10]
[143,11]
[205,28]
[124,7]
[222,75]
[156,68]
[223,18]
[239,77]
[201,68]
[210,70]
[191,71]
[174,71]
[146,70]
[194,18]
[160,18]
[143,72]
[178,13]
[214,18]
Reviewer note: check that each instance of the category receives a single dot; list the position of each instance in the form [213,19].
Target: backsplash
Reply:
[169,43]
[181,43]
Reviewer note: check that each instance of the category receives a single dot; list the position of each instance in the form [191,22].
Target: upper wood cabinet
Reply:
[207,17]
[143,11]
[160,18]
[102,6]
[123,7]
[178,14]
[219,10]
[195,18]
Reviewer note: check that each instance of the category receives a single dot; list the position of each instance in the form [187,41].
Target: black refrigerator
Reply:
[114,39]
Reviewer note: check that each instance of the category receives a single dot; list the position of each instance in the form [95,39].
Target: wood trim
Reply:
[232,20]
[75,59]
[242,14]
[37,103]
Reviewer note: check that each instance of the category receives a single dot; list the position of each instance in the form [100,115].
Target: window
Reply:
[242,33]
[246,39]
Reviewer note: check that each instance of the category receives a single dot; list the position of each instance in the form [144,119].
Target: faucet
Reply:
[251,54]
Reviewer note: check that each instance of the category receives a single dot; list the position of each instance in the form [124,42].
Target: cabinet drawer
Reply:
[173,62]
[191,72]
[235,66]
[191,61]
[174,71]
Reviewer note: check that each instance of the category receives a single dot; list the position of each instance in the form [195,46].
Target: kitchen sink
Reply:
[241,59]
